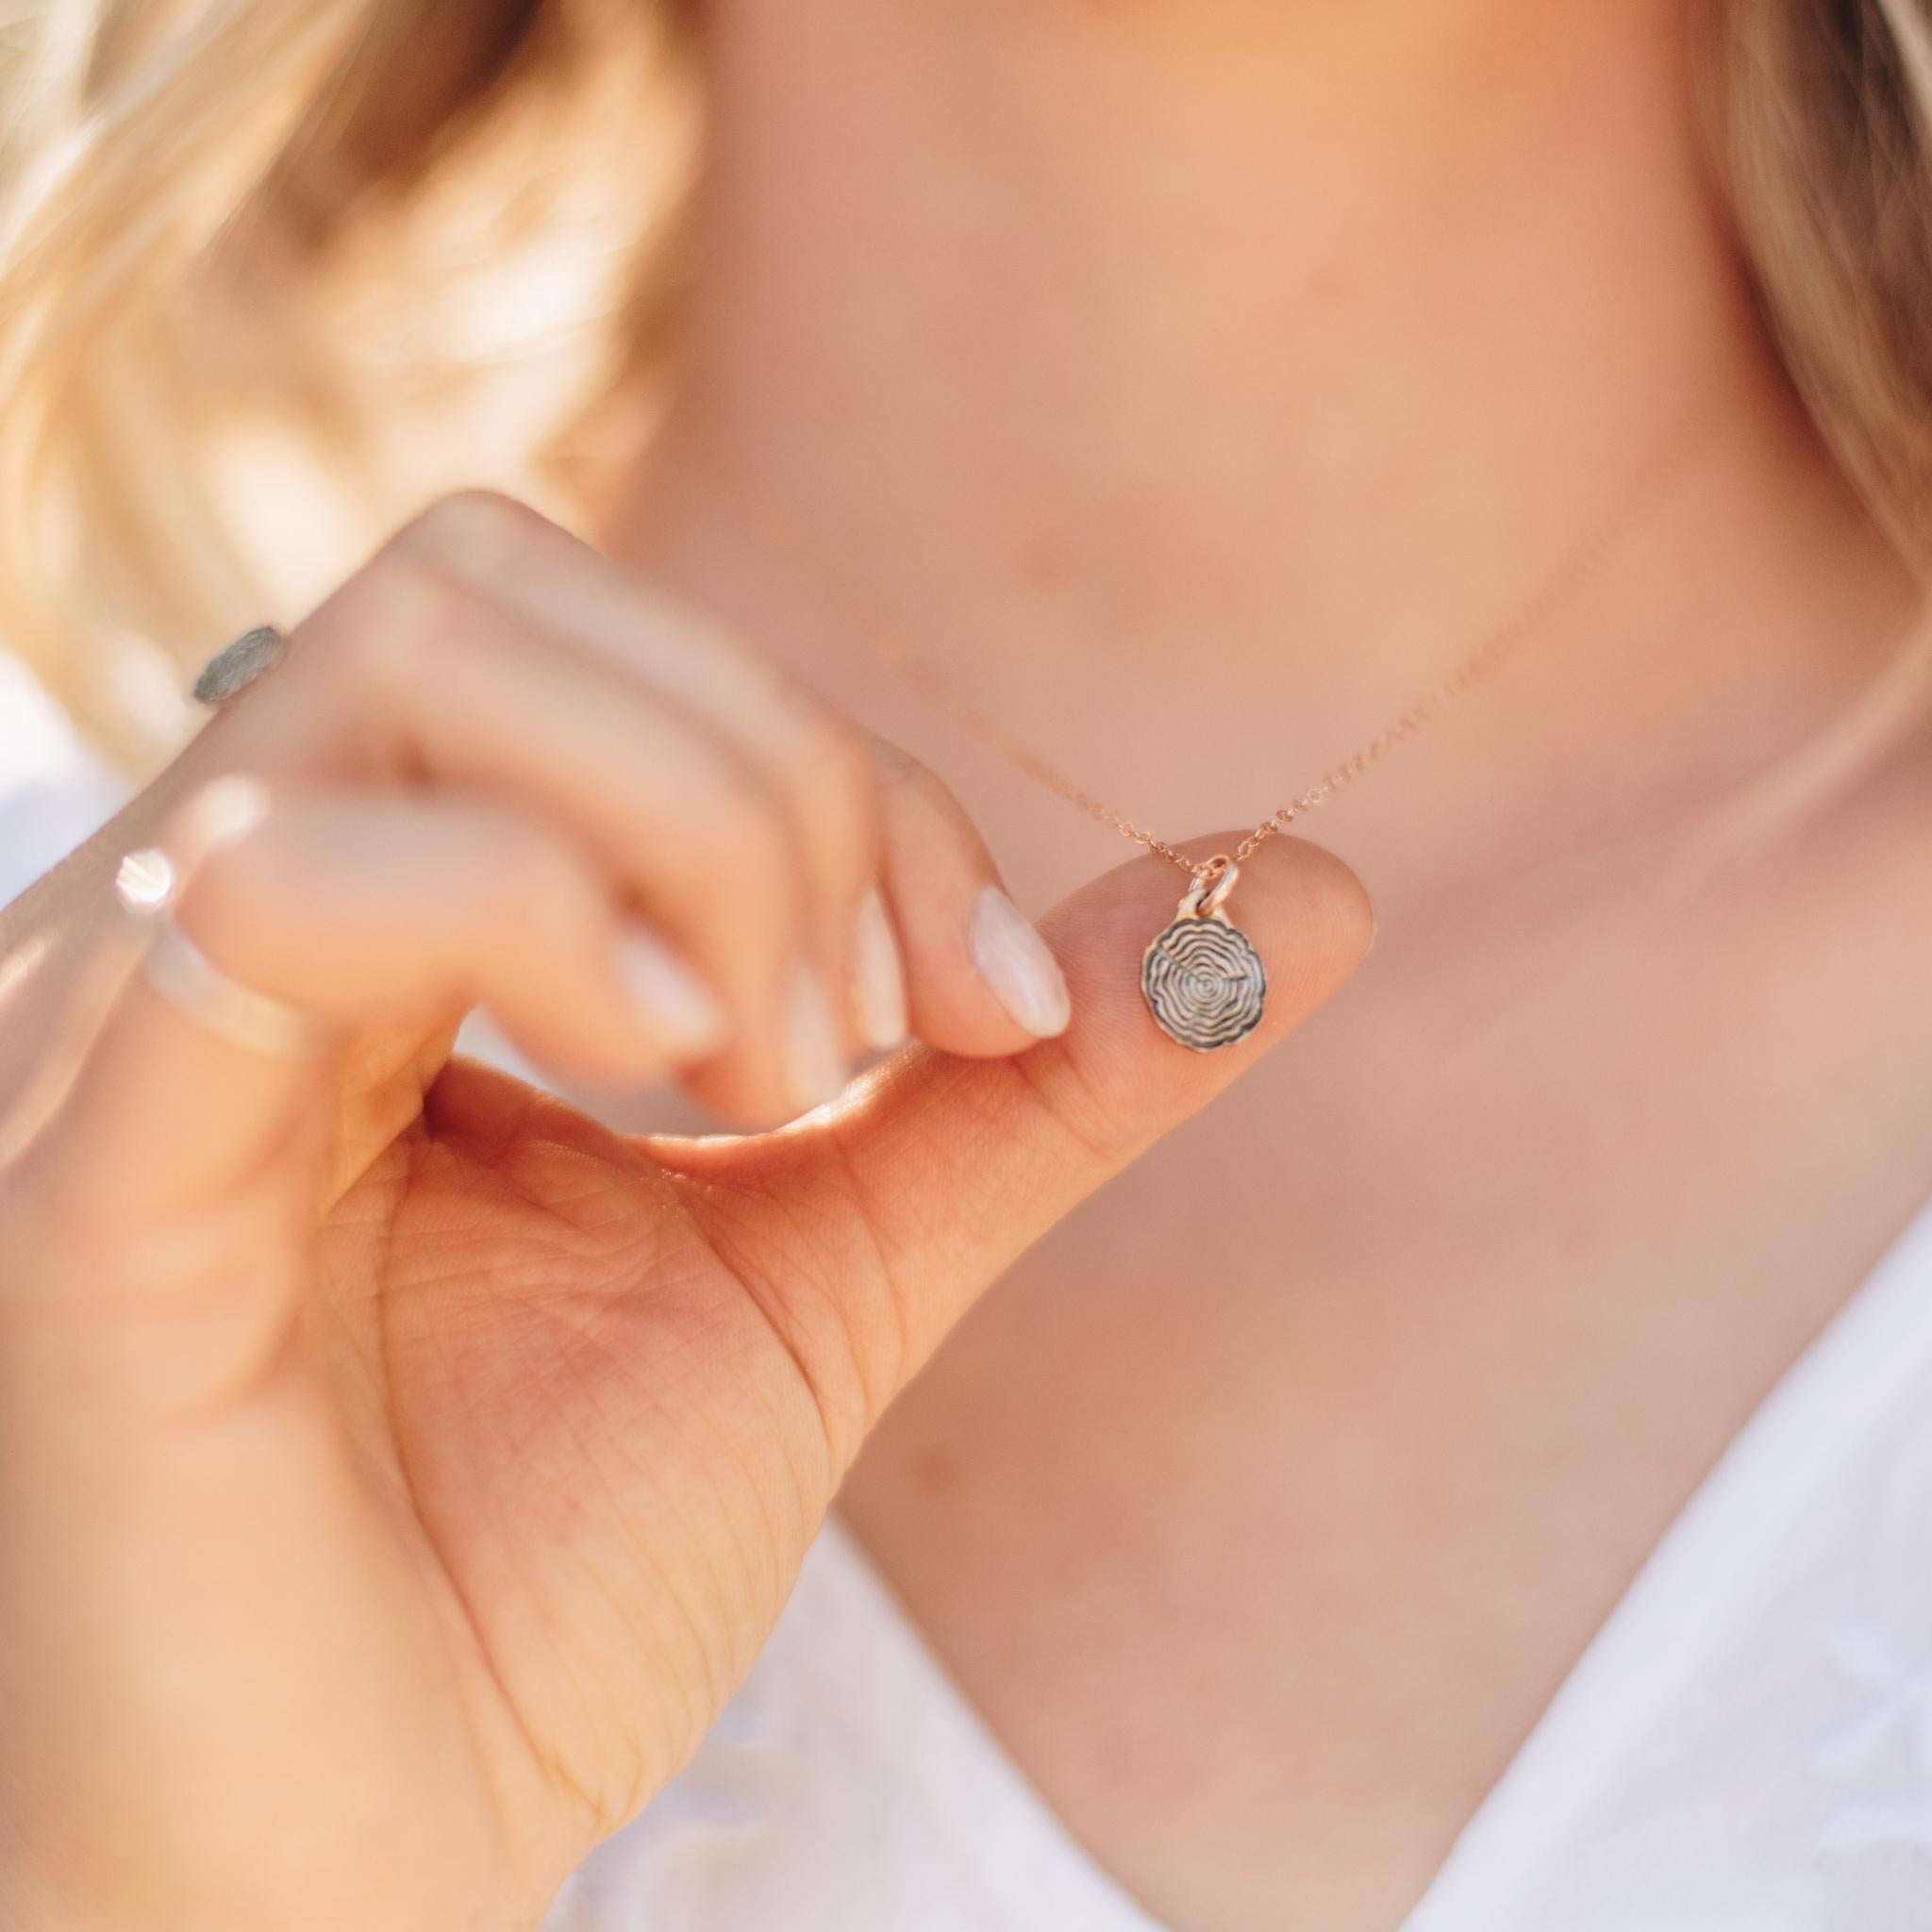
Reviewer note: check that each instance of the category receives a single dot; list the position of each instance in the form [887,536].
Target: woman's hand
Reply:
[397,1470]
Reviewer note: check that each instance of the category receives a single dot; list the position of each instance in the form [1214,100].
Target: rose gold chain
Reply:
[1497,649]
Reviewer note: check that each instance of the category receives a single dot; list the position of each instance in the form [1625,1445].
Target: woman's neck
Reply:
[1271,349]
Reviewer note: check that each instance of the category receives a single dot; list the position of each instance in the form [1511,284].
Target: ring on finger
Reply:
[177,970]
[236,666]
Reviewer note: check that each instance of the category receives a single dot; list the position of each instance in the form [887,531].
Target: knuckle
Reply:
[908,785]
[466,523]
[402,614]
[918,812]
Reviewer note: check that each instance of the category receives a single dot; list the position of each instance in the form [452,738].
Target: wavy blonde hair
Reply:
[292,242]
[277,272]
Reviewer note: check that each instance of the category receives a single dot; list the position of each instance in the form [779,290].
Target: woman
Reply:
[1474,1473]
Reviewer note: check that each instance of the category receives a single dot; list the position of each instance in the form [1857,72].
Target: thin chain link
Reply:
[1496,649]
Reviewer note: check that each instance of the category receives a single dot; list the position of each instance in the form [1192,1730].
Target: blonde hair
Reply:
[266,262]
[250,234]
[1820,114]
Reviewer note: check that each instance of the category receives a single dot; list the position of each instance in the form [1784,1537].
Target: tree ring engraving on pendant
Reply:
[1205,984]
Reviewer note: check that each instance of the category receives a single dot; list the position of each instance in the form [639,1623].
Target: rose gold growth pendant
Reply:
[1204,982]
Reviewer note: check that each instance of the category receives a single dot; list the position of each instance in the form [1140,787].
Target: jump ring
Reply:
[1213,881]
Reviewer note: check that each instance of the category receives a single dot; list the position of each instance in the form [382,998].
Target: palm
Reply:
[610,1428]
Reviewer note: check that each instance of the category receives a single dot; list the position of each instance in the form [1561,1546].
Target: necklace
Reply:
[1202,980]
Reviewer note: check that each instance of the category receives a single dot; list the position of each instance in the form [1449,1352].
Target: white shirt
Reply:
[53,794]
[1745,1746]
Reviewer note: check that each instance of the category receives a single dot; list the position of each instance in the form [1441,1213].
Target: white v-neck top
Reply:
[1745,1746]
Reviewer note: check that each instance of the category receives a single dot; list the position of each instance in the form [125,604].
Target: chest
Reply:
[1265,1507]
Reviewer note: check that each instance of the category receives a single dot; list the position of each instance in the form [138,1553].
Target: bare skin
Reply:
[397,1469]
[1196,381]
[1263,358]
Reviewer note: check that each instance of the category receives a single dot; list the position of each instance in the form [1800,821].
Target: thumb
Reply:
[946,1170]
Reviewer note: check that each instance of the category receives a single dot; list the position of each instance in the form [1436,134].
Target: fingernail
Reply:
[878,978]
[676,1003]
[1014,961]
[815,1066]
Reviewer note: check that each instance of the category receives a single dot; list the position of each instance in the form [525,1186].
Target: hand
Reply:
[397,1470]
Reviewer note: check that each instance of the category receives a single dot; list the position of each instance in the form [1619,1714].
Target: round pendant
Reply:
[1204,983]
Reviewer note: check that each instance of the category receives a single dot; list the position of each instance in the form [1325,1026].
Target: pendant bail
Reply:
[1214,879]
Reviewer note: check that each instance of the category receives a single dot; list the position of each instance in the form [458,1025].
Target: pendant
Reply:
[1204,981]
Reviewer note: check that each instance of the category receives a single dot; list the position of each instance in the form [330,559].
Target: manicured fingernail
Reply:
[1014,961]
[815,1068]
[878,978]
[675,1002]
